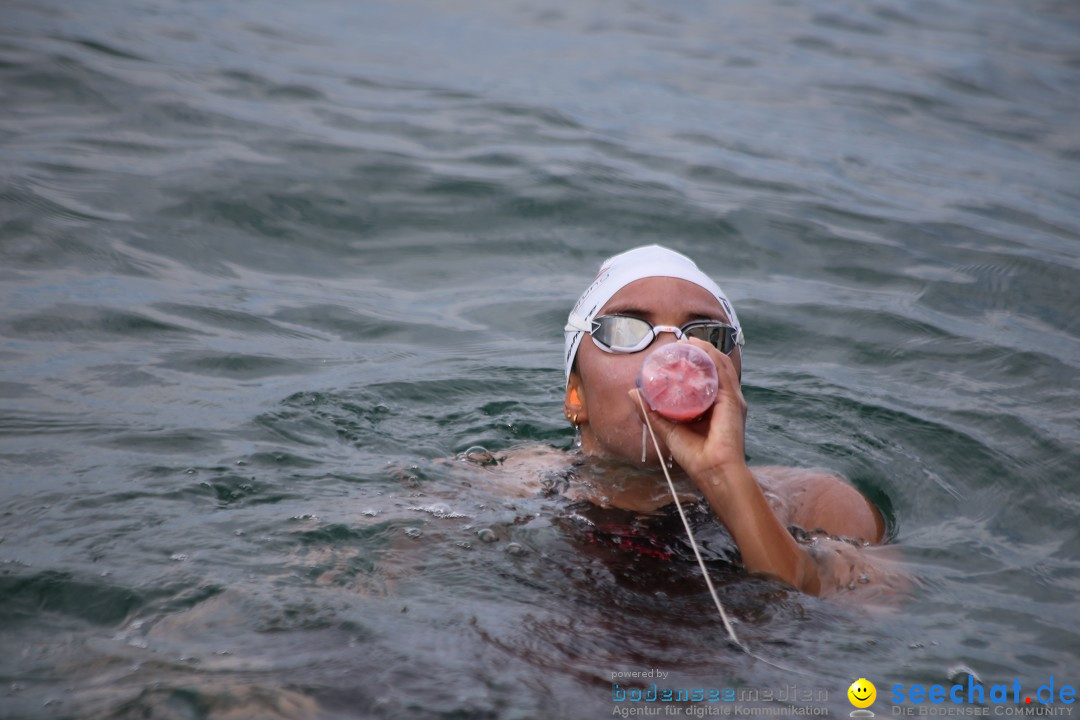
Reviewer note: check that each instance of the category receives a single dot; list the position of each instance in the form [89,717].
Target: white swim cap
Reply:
[619,271]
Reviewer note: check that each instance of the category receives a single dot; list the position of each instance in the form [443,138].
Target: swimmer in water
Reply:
[807,528]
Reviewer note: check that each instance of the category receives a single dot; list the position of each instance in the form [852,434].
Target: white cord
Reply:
[690,535]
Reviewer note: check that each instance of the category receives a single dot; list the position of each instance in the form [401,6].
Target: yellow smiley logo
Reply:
[862,693]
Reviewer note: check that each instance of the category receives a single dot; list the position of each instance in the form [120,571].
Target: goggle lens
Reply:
[619,333]
[720,336]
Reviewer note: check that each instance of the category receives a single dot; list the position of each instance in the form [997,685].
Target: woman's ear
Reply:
[574,405]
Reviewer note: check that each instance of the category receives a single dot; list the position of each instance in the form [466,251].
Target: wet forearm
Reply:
[764,543]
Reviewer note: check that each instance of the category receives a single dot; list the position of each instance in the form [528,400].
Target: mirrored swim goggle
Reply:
[625,334]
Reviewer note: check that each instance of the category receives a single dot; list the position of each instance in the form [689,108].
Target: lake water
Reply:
[267,270]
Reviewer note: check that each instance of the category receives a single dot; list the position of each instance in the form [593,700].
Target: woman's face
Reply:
[610,423]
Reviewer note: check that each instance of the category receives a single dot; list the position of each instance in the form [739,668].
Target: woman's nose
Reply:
[660,330]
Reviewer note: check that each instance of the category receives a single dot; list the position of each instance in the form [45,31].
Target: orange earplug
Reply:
[574,398]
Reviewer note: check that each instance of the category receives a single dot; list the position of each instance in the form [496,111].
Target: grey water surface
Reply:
[267,270]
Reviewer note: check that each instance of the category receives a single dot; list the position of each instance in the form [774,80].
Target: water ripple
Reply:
[266,270]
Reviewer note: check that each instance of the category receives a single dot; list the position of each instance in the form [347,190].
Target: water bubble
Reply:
[554,482]
[369,513]
[479,455]
[514,549]
[486,535]
[179,557]
[439,510]
[465,545]
[414,532]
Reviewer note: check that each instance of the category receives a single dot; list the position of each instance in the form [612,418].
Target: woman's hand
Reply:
[704,448]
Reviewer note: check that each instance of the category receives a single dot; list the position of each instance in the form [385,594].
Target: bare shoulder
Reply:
[817,499]
[521,471]
[532,457]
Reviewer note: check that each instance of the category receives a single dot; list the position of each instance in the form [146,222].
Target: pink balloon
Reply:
[679,381]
